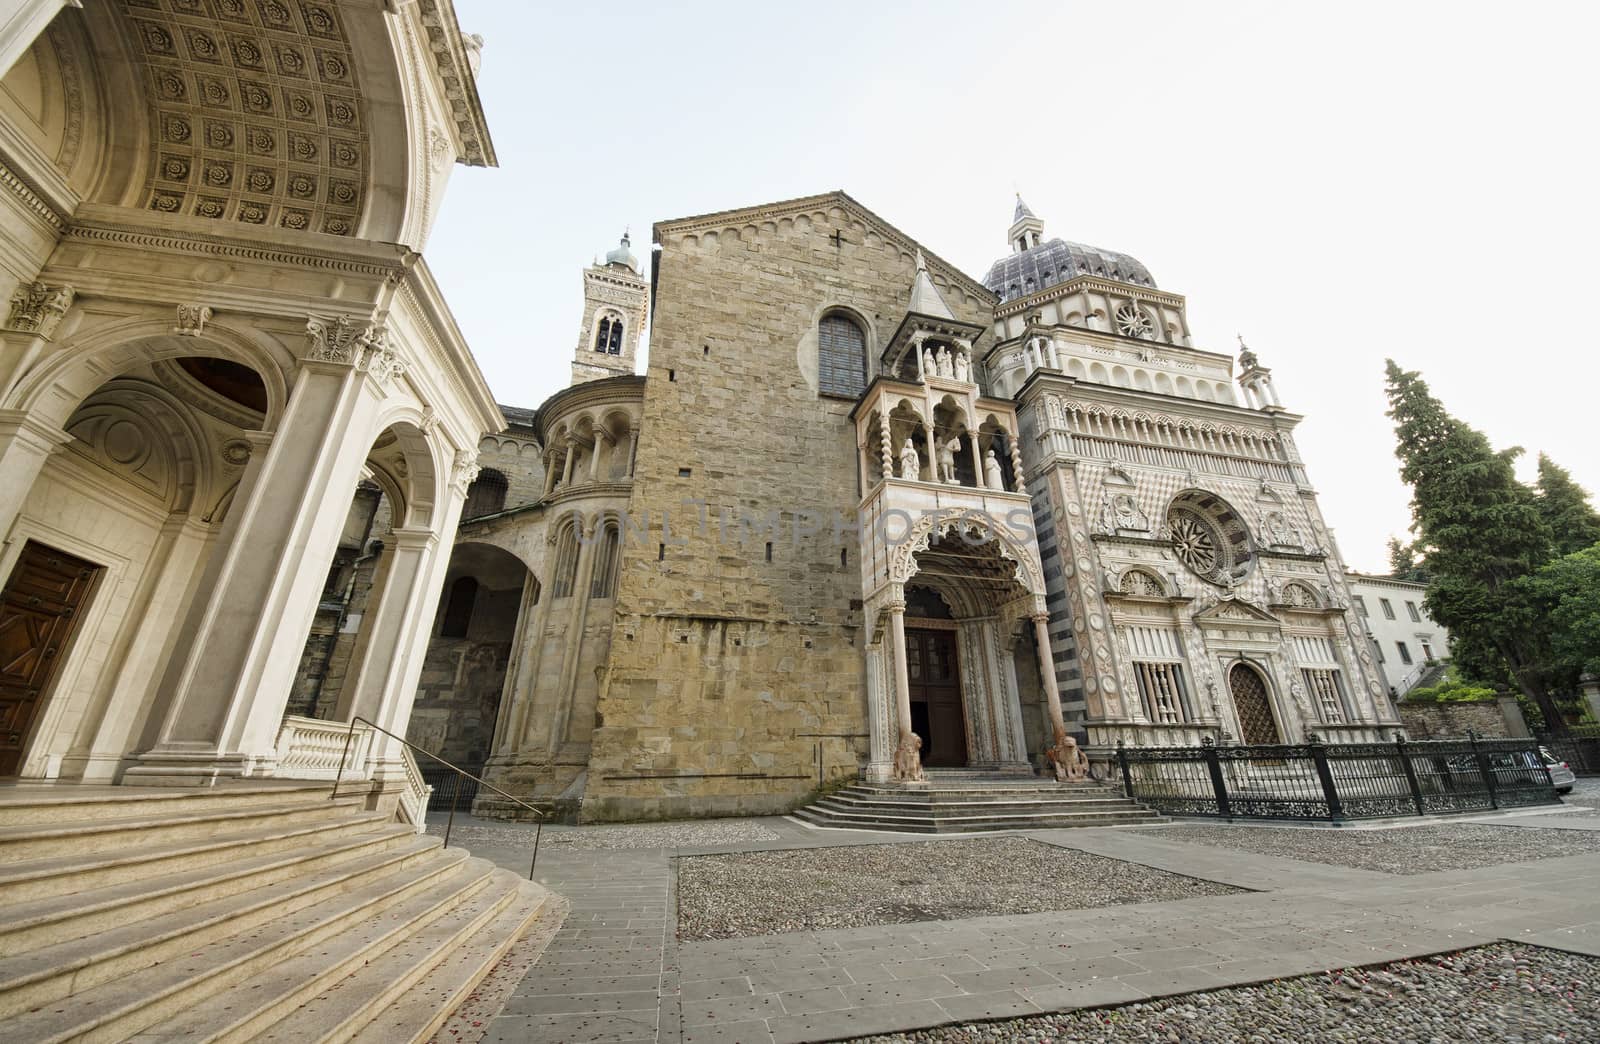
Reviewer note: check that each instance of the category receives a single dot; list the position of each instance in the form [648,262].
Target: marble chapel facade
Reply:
[859,496]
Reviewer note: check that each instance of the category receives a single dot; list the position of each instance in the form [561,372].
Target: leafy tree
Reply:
[1480,531]
[1564,506]
[1569,590]
[1403,563]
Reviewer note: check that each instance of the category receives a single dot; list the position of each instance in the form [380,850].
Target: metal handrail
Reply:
[538,827]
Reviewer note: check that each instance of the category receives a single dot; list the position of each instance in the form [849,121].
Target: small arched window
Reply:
[841,357]
[486,495]
[608,335]
[607,559]
[458,608]
[566,564]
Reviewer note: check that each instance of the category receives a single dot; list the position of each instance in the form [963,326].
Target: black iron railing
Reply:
[463,780]
[1578,746]
[1339,781]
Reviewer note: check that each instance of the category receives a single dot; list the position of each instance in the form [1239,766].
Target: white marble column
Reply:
[224,692]
[1047,671]
[26,442]
[21,22]
[902,678]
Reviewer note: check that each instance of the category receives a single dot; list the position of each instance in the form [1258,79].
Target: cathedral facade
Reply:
[865,514]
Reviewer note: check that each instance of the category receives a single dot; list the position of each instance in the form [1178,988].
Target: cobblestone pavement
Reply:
[616,970]
[764,893]
[1405,850]
[1502,993]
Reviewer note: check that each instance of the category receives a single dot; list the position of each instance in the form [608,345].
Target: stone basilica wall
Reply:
[727,670]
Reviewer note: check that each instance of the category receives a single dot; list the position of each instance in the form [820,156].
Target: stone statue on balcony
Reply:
[908,759]
[1067,762]
[947,461]
[910,463]
[962,368]
[930,367]
[991,472]
[946,367]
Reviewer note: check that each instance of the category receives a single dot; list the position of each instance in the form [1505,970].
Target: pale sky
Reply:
[1339,183]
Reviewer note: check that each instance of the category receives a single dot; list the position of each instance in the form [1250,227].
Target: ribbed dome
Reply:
[623,256]
[1056,261]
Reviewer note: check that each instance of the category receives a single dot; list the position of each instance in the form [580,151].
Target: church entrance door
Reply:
[936,711]
[1250,700]
[40,607]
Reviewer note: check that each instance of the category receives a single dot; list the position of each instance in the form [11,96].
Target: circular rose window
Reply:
[1208,536]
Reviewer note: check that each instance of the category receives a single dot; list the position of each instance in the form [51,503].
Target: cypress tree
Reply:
[1564,506]
[1480,531]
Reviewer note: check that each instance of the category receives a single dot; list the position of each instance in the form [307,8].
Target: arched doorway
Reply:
[1253,705]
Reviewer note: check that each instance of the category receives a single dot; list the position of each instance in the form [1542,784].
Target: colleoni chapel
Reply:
[861,514]
[860,497]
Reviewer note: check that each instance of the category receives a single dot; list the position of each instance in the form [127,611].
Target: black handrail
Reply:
[538,827]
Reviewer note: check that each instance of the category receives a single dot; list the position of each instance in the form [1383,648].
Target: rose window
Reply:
[1133,321]
[1208,537]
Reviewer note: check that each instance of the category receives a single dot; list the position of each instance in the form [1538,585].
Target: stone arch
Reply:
[66,377]
[146,434]
[404,460]
[921,535]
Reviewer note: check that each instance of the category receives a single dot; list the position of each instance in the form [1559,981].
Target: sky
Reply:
[1341,184]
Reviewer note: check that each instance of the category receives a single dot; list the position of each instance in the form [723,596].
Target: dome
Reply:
[623,256]
[1055,261]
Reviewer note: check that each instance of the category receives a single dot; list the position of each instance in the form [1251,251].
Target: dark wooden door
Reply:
[1253,705]
[41,604]
[936,713]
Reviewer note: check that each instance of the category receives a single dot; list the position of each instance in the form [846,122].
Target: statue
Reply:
[908,759]
[947,461]
[930,368]
[1067,762]
[991,472]
[1121,513]
[1278,532]
[1247,358]
[962,370]
[910,463]
[943,359]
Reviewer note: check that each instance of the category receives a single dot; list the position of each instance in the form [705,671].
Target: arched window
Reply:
[458,608]
[566,564]
[607,559]
[486,495]
[608,336]
[841,357]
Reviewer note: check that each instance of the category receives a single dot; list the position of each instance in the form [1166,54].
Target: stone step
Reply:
[332,990]
[977,797]
[31,841]
[408,994]
[956,808]
[966,824]
[121,953]
[31,924]
[186,980]
[42,878]
[58,805]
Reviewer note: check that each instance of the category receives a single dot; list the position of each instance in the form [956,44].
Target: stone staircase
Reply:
[251,912]
[959,800]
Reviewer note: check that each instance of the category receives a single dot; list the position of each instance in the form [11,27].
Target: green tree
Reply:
[1564,506]
[1480,531]
[1569,590]
[1403,563]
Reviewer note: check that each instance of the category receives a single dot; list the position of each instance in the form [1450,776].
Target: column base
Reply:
[157,768]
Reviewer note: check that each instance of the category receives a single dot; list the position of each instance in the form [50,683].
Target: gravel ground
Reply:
[1585,794]
[1501,993]
[1398,850]
[701,834]
[764,893]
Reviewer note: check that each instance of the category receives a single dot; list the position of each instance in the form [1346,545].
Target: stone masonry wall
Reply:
[727,669]
[1424,721]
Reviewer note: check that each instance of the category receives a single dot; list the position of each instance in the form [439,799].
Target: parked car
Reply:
[1561,773]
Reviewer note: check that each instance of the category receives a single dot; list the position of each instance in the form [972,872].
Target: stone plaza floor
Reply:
[1304,900]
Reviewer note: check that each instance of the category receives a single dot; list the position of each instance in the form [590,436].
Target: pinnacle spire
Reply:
[925,297]
[1022,210]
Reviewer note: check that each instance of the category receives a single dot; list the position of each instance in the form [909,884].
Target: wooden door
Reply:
[936,712]
[41,605]
[1253,705]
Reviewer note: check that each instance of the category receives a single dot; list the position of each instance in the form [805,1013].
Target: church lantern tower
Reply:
[616,302]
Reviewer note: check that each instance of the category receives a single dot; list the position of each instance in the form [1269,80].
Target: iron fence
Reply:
[1338,781]
[1578,746]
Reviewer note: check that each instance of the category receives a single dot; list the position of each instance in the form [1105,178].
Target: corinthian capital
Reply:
[36,308]
[465,470]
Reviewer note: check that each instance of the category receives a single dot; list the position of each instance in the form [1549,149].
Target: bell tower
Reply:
[616,301]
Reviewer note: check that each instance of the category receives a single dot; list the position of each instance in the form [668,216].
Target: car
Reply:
[1561,773]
